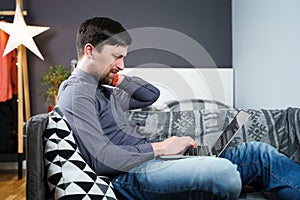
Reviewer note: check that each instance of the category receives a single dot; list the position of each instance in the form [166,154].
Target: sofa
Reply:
[280,128]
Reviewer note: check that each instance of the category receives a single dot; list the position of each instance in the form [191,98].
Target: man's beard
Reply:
[106,80]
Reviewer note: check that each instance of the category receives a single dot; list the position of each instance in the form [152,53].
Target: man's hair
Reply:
[100,31]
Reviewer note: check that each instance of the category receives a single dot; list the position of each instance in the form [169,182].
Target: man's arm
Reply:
[138,92]
[144,94]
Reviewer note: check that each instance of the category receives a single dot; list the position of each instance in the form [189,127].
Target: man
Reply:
[113,147]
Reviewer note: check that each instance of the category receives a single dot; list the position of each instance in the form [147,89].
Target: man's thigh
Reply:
[206,175]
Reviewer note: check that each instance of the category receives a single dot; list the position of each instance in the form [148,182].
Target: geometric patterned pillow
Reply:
[68,175]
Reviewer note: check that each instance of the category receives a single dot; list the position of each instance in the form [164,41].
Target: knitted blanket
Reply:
[280,128]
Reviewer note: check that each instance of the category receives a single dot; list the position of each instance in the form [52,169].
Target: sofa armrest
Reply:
[36,187]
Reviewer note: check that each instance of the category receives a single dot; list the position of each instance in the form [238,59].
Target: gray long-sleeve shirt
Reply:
[97,116]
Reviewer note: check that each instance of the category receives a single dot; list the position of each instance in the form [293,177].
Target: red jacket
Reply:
[8,71]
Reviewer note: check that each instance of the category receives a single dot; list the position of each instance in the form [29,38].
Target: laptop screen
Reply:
[230,131]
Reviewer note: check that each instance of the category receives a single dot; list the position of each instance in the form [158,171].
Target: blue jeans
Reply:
[263,164]
[210,177]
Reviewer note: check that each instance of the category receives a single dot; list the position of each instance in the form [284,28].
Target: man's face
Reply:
[110,61]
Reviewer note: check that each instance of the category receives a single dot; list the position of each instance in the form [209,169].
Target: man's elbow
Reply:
[156,95]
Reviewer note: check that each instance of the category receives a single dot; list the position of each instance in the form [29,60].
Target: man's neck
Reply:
[85,66]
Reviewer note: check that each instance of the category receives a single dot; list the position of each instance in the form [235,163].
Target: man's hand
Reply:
[173,146]
[118,78]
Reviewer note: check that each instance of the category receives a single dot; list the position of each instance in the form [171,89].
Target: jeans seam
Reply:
[249,163]
[283,180]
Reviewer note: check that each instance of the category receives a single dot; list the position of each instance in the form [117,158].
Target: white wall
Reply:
[266,53]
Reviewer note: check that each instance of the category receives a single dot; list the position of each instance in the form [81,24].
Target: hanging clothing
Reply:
[8,71]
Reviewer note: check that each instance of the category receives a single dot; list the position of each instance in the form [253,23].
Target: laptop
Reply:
[221,143]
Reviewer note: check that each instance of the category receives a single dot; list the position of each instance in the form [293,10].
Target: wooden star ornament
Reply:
[20,33]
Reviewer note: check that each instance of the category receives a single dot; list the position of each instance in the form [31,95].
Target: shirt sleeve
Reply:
[134,93]
[77,102]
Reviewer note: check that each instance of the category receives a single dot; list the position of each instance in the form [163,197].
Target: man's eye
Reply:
[118,56]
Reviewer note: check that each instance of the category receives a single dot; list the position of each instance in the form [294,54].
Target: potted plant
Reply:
[52,79]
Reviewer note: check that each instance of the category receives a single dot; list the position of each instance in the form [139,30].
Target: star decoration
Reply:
[20,33]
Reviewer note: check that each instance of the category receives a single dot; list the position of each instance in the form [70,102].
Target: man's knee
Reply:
[224,179]
[229,179]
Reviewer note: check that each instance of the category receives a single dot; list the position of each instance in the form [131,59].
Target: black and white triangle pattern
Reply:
[69,176]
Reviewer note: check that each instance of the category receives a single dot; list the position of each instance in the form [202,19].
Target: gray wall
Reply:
[266,49]
[208,22]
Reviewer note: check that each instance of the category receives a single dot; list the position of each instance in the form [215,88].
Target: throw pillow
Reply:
[68,175]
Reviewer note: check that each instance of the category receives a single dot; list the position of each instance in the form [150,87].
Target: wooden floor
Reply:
[11,188]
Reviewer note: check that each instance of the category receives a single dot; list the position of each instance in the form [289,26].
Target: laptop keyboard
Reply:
[202,150]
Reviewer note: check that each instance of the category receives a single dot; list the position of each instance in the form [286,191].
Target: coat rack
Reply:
[23,95]
[20,41]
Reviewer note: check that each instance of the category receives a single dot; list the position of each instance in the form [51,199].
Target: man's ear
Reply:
[88,49]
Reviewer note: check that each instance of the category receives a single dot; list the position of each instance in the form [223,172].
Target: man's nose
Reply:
[120,64]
